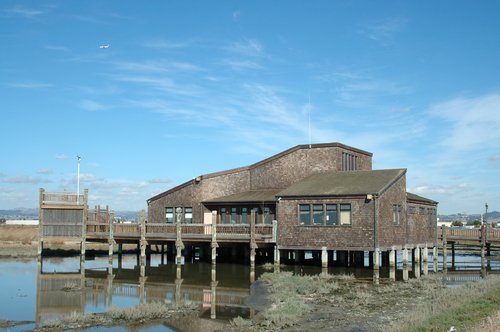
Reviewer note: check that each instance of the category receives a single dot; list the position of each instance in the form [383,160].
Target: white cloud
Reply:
[247,47]
[471,123]
[385,31]
[165,44]
[23,179]
[30,85]
[92,106]
[25,11]
[239,65]
[61,156]
[56,48]
[236,15]
[44,171]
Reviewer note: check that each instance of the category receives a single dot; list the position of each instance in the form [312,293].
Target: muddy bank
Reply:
[332,303]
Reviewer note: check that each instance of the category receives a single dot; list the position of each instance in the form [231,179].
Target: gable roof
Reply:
[260,163]
[417,198]
[344,183]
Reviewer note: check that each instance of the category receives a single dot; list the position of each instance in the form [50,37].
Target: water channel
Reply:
[36,291]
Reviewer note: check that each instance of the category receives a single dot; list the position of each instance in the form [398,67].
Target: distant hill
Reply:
[494,215]
[32,213]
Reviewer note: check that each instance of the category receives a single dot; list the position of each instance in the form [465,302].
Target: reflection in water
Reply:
[218,290]
[66,286]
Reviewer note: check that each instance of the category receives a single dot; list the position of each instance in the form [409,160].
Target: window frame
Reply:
[172,218]
[341,205]
[309,214]
[188,210]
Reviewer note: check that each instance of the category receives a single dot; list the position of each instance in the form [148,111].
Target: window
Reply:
[169,215]
[188,215]
[325,214]
[331,214]
[421,210]
[223,216]
[318,214]
[396,210]
[234,215]
[345,214]
[305,214]
[412,209]
[267,219]
[244,215]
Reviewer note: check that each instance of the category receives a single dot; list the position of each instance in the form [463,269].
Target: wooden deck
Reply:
[155,233]
[484,235]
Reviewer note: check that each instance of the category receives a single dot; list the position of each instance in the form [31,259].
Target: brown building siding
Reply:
[282,172]
[357,236]
[278,171]
[389,232]
[372,219]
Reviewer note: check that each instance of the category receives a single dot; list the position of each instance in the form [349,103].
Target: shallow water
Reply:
[34,292]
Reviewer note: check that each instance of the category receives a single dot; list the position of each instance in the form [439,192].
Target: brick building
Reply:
[323,196]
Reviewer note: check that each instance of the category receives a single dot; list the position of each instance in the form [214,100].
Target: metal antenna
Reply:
[309,110]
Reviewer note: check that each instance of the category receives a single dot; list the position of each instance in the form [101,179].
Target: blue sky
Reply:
[192,87]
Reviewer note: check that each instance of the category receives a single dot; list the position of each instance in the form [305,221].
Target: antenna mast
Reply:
[309,111]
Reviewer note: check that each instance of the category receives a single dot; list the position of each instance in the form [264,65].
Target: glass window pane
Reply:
[305,214]
[331,214]
[223,217]
[267,219]
[345,214]
[318,214]
[244,215]
[169,215]
[234,215]
[188,215]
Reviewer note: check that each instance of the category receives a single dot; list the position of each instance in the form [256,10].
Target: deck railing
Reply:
[475,234]
[62,198]
[187,231]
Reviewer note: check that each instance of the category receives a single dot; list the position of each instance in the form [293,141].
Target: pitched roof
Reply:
[414,197]
[344,183]
[260,163]
[254,196]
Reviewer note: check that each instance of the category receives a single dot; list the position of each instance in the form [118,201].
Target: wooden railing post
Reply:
[253,244]
[142,243]
[178,243]
[445,244]
[111,241]
[275,231]
[84,223]
[214,243]
[40,224]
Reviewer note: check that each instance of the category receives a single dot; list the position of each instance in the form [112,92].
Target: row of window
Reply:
[241,215]
[185,215]
[421,210]
[325,214]
[233,215]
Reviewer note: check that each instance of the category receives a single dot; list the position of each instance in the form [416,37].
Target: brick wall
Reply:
[290,168]
[389,233]
[357,236]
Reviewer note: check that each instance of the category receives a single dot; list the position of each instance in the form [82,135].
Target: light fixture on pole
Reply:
[486,209]
[78,180]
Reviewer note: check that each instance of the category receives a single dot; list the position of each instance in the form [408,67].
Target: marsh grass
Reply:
[462,307]
[116,316]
